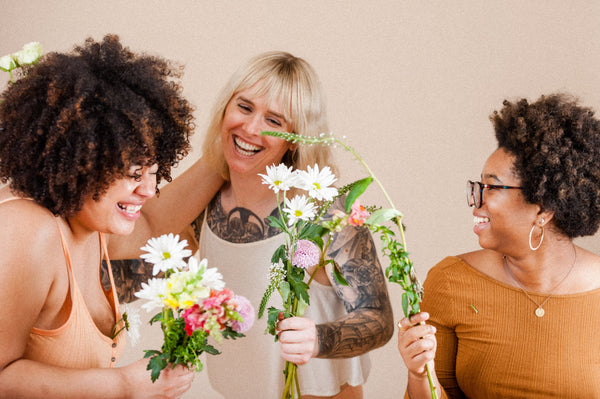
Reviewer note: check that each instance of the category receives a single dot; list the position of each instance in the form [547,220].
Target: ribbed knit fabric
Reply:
[78,343]
[492,345]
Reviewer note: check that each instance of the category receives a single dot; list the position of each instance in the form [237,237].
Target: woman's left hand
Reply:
[298,339]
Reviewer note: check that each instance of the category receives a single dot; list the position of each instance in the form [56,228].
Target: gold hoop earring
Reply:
[541,239]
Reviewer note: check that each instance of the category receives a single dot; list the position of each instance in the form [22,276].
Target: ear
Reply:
[544,217]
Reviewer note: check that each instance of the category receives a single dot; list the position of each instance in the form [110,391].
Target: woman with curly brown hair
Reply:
[85,138]
[519,318]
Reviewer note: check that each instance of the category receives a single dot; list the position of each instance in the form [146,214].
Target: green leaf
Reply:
[156,364]
[284,288]
[337,273]
[280,254]
[358,188]
[275,222]
[272,321]
[405,304]
[381,216]
[311,231]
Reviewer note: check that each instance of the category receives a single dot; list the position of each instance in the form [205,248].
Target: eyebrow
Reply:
[273,113]
[491,176]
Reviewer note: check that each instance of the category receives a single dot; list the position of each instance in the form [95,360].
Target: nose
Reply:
[147,185]
[253,125]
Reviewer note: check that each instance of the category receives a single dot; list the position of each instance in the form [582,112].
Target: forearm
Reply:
[29,379]
[359,332]
[182,200]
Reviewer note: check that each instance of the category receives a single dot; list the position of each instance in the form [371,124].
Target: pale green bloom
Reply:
[29,54]
[7,63]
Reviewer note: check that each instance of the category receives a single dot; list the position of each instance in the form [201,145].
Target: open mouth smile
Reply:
[245,148]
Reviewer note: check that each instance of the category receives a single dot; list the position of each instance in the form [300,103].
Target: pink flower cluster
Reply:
[307,254]
[219,310]
[358,214]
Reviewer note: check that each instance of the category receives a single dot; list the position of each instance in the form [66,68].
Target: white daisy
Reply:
[133,322]
[279,177]
[154,292]
[299,208]
[213,279]
[166,253]
[317,182]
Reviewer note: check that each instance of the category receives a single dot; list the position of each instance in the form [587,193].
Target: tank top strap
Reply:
[113,288]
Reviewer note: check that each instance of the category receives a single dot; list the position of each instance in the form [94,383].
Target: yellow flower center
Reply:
[298,213]
[277,182]
[166,255]
[317,185]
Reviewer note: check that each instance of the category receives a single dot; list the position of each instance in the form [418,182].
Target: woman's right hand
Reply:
[172,383]
[416,343]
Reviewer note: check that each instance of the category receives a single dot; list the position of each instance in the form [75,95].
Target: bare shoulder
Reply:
[29,238]
[589,270]
[485,261]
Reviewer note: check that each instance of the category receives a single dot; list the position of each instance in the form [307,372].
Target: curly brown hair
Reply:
[556,144]
[77,121]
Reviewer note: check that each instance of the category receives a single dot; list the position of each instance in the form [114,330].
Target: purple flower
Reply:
[307,254]
[245,309]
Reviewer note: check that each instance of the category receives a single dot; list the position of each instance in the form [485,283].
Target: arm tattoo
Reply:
[369,322]
[240,225]
[129,274]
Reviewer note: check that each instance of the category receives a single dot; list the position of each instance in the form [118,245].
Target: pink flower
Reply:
[358,214]
[246,311]
[307,254]
[195,318]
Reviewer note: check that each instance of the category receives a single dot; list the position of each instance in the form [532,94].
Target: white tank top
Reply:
[252,367]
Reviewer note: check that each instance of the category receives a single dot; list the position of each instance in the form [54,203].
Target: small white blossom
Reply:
[318,183]
[299,208]
[279,177]
[154,292]
[166,253]
[276,273]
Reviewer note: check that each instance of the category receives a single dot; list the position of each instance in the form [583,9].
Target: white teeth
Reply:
[130,208]
[477,220]
[246,148]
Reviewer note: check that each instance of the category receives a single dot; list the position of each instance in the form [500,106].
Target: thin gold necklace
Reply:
[539,311]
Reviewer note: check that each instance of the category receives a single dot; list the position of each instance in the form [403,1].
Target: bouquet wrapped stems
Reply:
[400,270]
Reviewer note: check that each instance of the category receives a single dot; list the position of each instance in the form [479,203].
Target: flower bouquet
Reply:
[194,305]
[301,219]
[400,269]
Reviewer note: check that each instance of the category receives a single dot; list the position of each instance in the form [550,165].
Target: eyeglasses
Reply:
[475,192]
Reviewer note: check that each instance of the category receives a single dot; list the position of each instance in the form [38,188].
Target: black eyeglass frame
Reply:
[471,192]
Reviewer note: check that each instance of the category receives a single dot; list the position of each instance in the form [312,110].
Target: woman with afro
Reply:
[85,137]
[519,318]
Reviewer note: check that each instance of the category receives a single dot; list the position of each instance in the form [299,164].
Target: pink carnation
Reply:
[195,318]
[245,309]
[307,254]
[358,214]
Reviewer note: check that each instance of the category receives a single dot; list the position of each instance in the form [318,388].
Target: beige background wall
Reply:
[410,83]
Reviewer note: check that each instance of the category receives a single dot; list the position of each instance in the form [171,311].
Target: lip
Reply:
[480,223]
[131,211]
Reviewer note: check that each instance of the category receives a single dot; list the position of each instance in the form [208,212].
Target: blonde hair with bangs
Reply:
[282,77]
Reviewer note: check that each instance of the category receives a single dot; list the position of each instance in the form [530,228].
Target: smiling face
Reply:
[246,151]
[504,220]
[116,211]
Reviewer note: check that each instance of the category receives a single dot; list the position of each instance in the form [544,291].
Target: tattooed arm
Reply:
[369,322]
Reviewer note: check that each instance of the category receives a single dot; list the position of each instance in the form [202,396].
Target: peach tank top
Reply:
[78,343]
